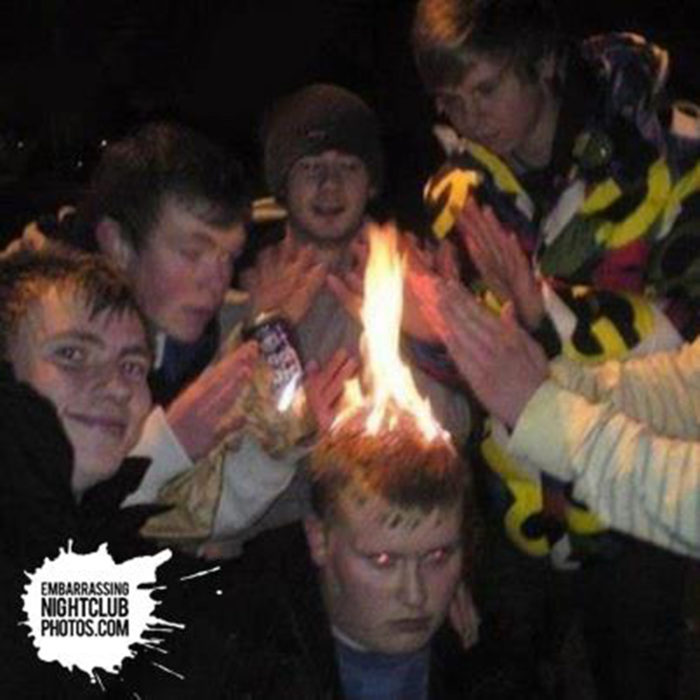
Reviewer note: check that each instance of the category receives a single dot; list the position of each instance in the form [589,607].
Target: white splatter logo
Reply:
[87,612]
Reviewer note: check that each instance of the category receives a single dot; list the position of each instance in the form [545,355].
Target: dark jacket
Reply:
[38,515]
[283,647]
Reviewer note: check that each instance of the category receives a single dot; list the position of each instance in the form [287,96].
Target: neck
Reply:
[333,254]
[345,639]
[537,151]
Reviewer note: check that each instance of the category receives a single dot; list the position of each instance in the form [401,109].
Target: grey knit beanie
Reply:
[319,118]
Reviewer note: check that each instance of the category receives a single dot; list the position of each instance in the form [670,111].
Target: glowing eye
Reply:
[382,560]
[439,556]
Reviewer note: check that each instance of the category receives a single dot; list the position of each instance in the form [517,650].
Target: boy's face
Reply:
[94,372]
[326,197]
[387,586]
[494,106]
[182,273]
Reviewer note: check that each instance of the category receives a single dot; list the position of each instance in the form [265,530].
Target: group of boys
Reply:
[593,190]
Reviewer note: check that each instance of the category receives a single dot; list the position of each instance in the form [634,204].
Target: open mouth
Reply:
[328,211]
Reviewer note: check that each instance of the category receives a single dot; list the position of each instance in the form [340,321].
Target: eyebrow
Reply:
[94,339]
[83,336]
[136,349]
[202,238]
[453,544]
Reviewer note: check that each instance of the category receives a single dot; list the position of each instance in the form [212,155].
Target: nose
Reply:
[330,176]
[412,592]
[113,383]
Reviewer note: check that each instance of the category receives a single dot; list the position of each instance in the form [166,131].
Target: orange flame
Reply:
[389,389]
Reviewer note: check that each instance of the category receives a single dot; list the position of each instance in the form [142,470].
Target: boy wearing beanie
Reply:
[323,161]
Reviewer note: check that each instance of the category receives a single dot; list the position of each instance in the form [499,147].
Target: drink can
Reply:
[275,338]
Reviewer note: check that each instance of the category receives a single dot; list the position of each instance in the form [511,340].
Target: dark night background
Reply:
[75,72]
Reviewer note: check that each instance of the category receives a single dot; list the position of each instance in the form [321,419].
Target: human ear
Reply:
[113,244]
[317,539]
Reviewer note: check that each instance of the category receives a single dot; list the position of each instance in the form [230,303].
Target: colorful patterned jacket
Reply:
[612,227]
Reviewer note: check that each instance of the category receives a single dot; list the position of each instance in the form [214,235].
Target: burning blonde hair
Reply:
[395,465]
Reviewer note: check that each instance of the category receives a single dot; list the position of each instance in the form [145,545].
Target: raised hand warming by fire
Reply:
[501,262]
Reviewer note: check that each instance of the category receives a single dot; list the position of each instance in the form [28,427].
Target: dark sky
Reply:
[75,71]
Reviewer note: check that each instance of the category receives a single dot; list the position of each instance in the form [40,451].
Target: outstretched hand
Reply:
[497,358]
[501,262]
[286,278]
[324,385]
[203,414]
[348,286]
[442,259]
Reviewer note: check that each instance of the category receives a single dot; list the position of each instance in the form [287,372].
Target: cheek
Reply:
[359,585]
[159,283]
[139,407]
[358,194]
[62,388]
[442,584]
[298,196]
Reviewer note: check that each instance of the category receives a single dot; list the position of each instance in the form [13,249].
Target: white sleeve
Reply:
[636,480]
[661,391]
[168,458]
[252,480]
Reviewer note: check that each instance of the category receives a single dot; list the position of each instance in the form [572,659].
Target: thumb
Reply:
[311,367]
[509,315]
[344,294]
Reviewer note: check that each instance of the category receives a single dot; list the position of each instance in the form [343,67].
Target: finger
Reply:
[333,390]
[359,249]
[311,368]
[248,279]
[229,423]
[424,290]
[228,366]
[223,394]
[509,315]
[469,324]
[356,282]
[315,278]
[417,263]
[351,301]
[491,234]
[334,364]
[288,245]
[475,236]
[306,258]
[446,261]
[264,262]
[467,309]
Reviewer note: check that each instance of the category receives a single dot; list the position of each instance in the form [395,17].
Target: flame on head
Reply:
[388,390]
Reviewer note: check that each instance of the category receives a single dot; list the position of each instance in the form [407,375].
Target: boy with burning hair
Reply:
[390,531]
[386,533]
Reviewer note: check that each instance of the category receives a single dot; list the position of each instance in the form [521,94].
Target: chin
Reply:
[95,470]
[185,333]
[404,646]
